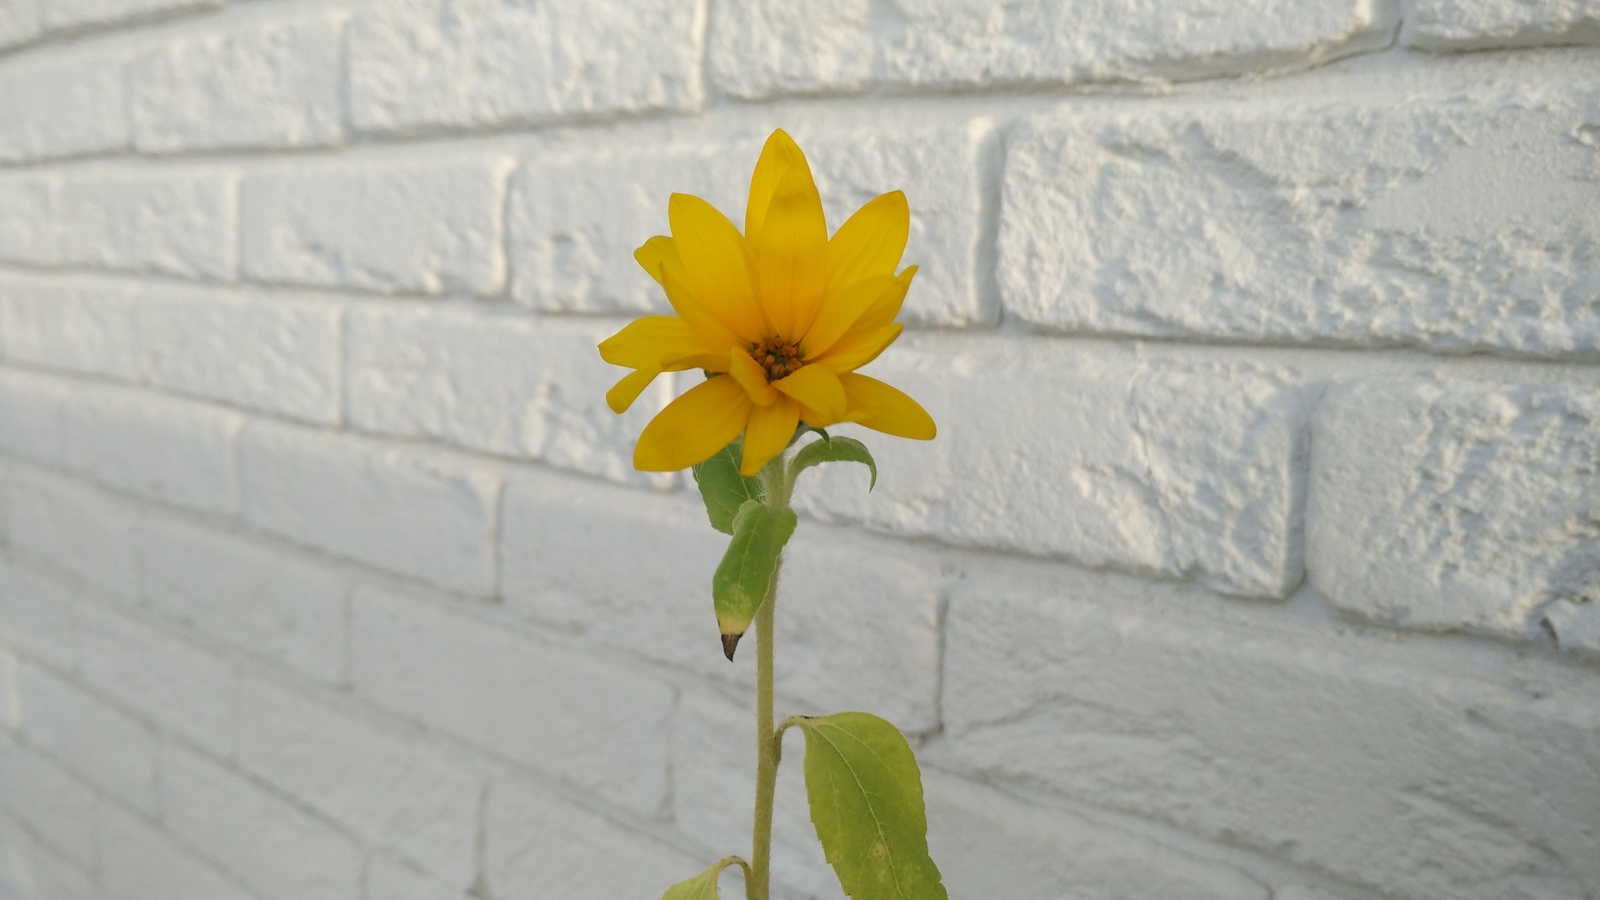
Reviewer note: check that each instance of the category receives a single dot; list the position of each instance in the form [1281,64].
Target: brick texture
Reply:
[1049,690]
[1255,557]
[424,227]
[60,109]
[1211,221]
[1485,24]
[1519,461]
[276,85]
[761,48]
[426,64]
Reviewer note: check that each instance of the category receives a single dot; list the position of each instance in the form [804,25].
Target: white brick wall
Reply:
[64,108]
[1256,559]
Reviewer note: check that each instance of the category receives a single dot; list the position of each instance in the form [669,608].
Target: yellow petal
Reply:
[664,341]
[871,241]
[769,432]
[717,266]
[687,304]
[817,389]
[778,156]
[752,378]
[652,253]
[693,427]
[858,348]
[791,255]
[883,408]
[841,307]
[624,392]
[884,309]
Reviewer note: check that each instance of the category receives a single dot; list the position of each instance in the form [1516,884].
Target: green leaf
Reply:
[740,583]
[723,488]
[702,886]
[866,802]
[834,449]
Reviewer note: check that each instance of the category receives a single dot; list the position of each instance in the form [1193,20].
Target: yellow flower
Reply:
[779,317]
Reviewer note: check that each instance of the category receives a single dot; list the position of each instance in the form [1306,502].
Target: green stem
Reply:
[775,479]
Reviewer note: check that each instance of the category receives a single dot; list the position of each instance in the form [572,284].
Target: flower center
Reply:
[779,359]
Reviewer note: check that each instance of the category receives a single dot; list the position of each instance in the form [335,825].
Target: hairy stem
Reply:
[775,479]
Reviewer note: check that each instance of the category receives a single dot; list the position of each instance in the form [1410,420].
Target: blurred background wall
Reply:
[1258,555]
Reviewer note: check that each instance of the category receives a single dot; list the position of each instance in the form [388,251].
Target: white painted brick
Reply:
[763,48]
[67,107]
[102,744]
[10,694]
[1486,24]
[392,788]
[71,326]
[36,616]
[1576,624]
[578,718]
[55,805]
[184,690]
[170,450]
[253,598]
[264,85]
[31,409]
[28,213]
[139,861]
[423,64]
[407,509]
[505,385]
[79,14]
[160,222]
[1301,892]
[538,845]
[269,353]
[1447,504]
[31,415]
[429,227]
[1089,453]
[1411,221]
[1325,748]
[37,872]
[575,557]
[267,843]
[989,845]
[714,790]
[576,221]
[391,879]
[19,22]
[76,528]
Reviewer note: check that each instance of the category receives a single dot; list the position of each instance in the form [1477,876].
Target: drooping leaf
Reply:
[834,449]
[702,886]
[740,583]
[803,429]
[866,802]
[722,487]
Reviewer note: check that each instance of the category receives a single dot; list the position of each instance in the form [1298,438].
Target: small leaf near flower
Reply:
[741,580]
[834,449]
[702,886]
[865,792]
[723,489]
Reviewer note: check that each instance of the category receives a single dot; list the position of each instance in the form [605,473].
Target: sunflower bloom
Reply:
[779,317]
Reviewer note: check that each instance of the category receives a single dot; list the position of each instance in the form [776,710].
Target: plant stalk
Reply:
[775,480]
